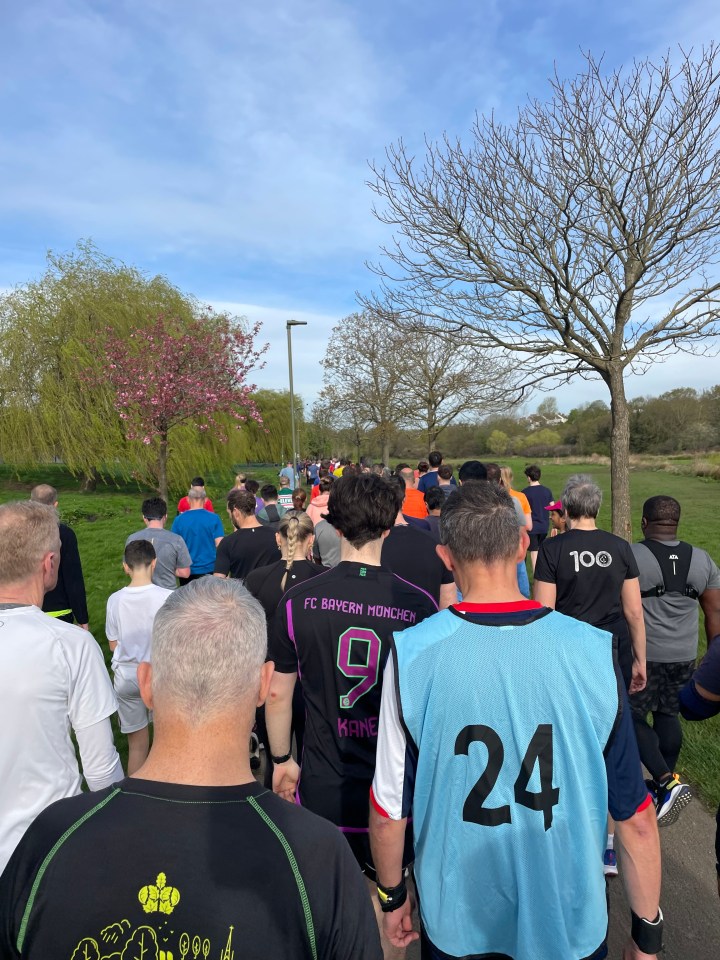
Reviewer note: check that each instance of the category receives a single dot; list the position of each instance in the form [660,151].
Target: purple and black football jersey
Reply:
[335,631]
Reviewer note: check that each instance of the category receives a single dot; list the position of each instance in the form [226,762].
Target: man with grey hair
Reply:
[474,699]
[191,842]
[67,600]
[592,575]
[52,680]
[202,531]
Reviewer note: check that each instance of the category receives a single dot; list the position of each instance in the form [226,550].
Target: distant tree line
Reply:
[681,420]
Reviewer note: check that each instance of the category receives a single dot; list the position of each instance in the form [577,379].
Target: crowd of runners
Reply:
[469,760]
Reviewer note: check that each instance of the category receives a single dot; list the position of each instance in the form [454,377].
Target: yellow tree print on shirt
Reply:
[159,896]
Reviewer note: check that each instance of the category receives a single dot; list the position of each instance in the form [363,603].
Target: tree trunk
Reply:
[620,454]
[89,481]
[162,468]
[386,451]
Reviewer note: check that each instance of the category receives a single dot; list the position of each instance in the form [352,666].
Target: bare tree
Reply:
[583,238]
[363,376]
[445,378]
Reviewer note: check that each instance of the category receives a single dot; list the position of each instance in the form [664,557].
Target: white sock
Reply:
[610,841]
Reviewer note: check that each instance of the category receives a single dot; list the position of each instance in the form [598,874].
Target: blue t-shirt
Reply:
[539,497]
[428,480]
[506,730]
[199,529]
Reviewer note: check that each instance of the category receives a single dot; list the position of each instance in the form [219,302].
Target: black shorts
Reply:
[360,846]
[664,683]
[535,540]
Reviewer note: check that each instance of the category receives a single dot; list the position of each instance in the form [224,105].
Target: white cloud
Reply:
[308,346]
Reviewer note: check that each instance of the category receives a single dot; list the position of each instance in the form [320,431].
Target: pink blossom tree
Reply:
[172,374]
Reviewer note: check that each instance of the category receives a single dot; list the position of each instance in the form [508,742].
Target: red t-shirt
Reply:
[184,505]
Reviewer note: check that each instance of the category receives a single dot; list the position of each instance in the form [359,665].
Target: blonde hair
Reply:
[507,477]
[295,527]
[28,532]
[240,479]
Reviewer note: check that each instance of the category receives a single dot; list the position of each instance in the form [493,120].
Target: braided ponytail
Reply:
[295,527]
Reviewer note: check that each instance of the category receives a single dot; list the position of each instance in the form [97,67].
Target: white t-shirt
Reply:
[52,678]
[129,620]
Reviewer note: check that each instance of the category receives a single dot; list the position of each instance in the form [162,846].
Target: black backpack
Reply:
[674,564]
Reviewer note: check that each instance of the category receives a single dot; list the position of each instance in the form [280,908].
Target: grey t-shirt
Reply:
[171,550]
[671,621]
[326,548]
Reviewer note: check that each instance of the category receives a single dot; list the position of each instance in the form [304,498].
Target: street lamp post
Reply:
[289,325]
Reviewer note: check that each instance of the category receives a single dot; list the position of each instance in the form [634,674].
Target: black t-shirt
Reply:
[539,497]
[264,583]
[69,593]
[155,870]
[410,553]
[335,631]
[588,568]
[245,550]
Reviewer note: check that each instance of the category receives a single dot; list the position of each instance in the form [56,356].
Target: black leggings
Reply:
[660,744]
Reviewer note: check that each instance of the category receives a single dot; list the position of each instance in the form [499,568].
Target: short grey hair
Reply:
[478,523]
[28,532]
[209,643]
[44,493]
[197,493]
[582,497]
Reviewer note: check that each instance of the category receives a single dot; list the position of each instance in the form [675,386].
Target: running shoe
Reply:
[672,797]
[610,868]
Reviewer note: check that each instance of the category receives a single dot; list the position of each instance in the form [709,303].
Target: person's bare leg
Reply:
[138,749]
[389,951]
[533,558]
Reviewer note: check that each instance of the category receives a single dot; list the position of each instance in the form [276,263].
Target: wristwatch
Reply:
[281,759]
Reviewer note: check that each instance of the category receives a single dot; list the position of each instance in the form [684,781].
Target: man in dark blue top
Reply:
[505,726]
[700,700]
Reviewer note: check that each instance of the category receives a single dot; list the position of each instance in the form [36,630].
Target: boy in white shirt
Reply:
[128,627]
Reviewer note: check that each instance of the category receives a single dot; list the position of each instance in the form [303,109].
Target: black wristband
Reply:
[391,898]
[647,934]
[281,759]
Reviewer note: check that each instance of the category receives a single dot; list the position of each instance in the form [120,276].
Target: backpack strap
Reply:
[674,562]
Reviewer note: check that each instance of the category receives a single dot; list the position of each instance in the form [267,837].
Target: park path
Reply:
[689,893]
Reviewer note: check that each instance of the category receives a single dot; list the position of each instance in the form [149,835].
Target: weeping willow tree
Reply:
[52,332]
[271,442]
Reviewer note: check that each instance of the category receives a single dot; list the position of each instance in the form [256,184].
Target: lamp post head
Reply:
[296,323]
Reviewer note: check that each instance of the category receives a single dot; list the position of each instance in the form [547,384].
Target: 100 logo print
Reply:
[585,558]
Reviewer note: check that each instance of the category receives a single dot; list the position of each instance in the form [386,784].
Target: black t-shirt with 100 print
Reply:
[588,568]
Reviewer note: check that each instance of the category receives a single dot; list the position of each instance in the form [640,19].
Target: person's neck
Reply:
[197,504]
[400,520]
[25,592]
[248,521]
[141,578]
[213,754]
[489,584]
[369,554]
[583,523]
[660,531]
[155,524]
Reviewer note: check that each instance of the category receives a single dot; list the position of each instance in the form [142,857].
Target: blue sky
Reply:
[225,144]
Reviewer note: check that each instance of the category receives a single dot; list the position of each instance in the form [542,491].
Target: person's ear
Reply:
[643,523]
[266,675]
[278,541]
[126,568]
[446,556]
[523,544]
[144,675]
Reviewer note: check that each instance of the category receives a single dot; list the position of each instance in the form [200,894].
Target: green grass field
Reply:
[103,520]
